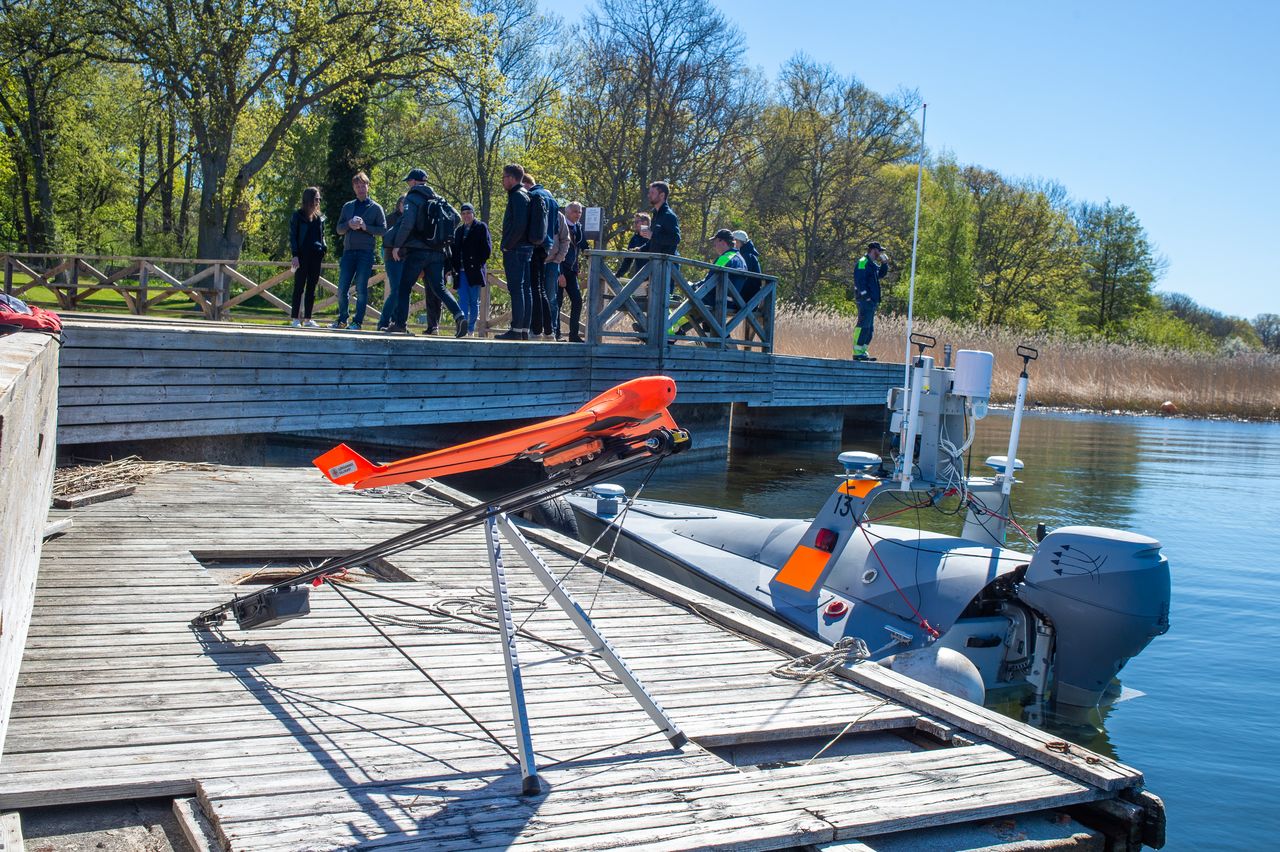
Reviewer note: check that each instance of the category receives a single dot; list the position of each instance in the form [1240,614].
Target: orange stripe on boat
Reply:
[858,487]
[803,568]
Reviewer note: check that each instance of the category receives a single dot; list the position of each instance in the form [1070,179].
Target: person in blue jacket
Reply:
[871,267]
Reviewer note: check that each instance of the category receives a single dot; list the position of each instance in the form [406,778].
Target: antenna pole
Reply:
[915,241]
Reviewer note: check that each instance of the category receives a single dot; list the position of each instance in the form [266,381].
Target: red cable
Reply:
[924,622]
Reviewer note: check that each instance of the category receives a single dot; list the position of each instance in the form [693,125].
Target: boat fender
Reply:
[941,668]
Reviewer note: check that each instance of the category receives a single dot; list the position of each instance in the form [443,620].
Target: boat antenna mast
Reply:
[905,457]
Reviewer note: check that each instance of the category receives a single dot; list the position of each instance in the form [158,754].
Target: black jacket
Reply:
[750,256]
[471,250]
[577,243]
[866,280]
[636,243]
[415,205]
[664,230]
[515,222]
[300,242]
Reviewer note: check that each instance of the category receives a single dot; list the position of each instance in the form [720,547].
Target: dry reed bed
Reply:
[1072,373]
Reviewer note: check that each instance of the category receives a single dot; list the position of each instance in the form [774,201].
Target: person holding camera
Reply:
[359,224]
[871,267]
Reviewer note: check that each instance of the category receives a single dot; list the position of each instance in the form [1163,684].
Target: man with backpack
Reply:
[422,242]
[543,203]
[522,228]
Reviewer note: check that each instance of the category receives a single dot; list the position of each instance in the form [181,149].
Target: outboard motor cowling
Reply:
[1107,593]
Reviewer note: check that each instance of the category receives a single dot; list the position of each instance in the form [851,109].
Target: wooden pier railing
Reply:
[669,300]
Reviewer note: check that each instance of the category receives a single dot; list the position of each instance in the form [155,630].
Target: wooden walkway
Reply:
[134,379]
[317,735]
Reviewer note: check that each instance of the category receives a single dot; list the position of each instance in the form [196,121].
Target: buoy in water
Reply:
[941,668]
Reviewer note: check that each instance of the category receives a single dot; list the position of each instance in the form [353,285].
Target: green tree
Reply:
[245,70]
[1119,265]
[817,186]
[348,154]
[42,65]
[945,269]
[1026,262]
[1267,327]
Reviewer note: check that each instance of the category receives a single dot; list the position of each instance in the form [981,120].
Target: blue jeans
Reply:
[469,298]
[516,265]
[551,287]
[415,262]
[355,267]
[393,268]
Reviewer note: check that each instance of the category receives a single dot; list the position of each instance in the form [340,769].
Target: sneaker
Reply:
[355,326]
[545,337]
[575,338]
[524,335]
[460,323]
[311,324]
[337,324]
[435,329]
[509,334]
[863,357]
[295,323]
[396,328]
[559,338]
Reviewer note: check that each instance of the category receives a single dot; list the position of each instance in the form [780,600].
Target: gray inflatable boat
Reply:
[966,613]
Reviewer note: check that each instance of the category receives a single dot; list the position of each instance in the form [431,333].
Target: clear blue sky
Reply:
[1172,108]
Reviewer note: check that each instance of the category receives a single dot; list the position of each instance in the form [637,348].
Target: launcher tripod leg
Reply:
[515,683]
[582,621]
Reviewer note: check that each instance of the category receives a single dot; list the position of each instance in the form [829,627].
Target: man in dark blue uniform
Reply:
[871,267]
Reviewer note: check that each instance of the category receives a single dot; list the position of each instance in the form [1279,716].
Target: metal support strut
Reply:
[599,645]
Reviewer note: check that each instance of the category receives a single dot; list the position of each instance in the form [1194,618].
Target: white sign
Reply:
[591,220]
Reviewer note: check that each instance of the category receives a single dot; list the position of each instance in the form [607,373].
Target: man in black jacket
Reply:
[471,250]
[569,274]
[664,230]
[409,246]
[868,271]
[517,253]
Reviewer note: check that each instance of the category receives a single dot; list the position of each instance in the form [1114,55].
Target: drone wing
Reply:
[631,409]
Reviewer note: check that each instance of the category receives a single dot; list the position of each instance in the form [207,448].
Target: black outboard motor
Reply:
[1107,594]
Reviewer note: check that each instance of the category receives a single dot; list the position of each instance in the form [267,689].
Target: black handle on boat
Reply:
[923,341]
[1027,354]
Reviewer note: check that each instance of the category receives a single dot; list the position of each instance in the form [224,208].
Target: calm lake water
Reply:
[1204,730]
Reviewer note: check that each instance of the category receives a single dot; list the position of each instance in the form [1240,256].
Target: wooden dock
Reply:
[136,378]
[318,735]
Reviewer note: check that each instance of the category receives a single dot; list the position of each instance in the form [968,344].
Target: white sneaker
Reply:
[295,323]
[311,324]
[547,337]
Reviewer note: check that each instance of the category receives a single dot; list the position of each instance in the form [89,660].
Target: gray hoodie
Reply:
[375,224]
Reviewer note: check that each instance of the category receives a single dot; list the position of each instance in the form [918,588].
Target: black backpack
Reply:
[434,224]
[535,233]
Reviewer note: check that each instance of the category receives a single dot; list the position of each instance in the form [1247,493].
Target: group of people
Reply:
[424,237]
[541,247]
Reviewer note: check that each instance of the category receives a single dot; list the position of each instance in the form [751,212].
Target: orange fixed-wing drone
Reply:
[629,410]
[623,429]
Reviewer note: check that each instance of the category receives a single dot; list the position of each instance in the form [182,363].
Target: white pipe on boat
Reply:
[915,239]
[1012,455]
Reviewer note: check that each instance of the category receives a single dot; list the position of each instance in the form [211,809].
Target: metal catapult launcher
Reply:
[623,429]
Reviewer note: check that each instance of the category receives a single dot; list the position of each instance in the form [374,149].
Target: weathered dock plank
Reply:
[317,735]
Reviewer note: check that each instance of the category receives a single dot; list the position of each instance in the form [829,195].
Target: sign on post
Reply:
[593,224]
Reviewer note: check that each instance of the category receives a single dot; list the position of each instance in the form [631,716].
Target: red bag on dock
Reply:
[15,312]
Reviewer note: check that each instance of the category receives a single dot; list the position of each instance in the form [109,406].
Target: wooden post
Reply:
[144,272]
[722,306]
[769,327]
[594,298]
[486,303]
[73,282]
[8,275]
[219,286]
[660,271]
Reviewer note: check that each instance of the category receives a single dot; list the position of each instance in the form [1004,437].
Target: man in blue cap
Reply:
[422,243]
[871,267]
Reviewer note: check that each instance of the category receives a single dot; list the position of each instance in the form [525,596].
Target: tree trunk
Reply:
[42,232]
[184,203]
[219,236]
[140,207]
[165,157]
